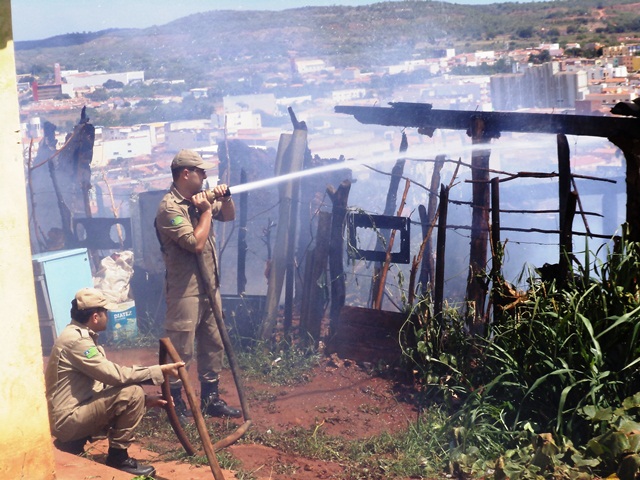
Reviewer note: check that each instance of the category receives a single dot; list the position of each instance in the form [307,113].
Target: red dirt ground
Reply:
[340,399]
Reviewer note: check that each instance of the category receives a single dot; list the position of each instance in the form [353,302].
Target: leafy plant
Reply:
[556,355]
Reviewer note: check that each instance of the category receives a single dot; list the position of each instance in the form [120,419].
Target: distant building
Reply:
[309,66]
[97,79]
[192,134]
[540,86]
[553,49]
[620,50]
[607,98]
[121,143]
[242,121]
[265,102]
[488,56]
[606,72]
[199,92]
[45,92]
[345,95]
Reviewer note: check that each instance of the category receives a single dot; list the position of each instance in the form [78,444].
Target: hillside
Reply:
[224,44]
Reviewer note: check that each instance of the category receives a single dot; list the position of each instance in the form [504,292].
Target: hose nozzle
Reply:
[212,196]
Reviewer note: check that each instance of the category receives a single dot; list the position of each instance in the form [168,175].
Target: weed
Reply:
[280,364]
[369,409]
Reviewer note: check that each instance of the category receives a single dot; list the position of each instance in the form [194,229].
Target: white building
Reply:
[97,79]
[133,145]
[340,96]
[242,121]
[310,66]
[265,102]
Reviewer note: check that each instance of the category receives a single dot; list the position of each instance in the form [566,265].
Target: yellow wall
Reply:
[26,451]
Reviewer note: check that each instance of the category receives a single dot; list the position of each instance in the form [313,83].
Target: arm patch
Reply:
[91,352]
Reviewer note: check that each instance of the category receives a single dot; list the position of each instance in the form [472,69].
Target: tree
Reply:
[112,84]
[99,95]
[525,32]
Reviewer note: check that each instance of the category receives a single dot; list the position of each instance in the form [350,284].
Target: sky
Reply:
[38,19]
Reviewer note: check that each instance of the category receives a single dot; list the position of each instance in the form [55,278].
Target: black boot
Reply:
[119,458]
[179,406]
[211,404]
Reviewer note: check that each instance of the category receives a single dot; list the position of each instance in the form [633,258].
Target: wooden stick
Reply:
[170,408]
[195,410]
[383,273]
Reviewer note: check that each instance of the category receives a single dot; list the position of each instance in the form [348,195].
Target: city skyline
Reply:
[39,19]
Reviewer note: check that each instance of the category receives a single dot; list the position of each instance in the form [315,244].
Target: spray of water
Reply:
[498,146]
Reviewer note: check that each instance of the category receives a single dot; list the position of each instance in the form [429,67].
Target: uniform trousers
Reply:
[191,326]
[115,410]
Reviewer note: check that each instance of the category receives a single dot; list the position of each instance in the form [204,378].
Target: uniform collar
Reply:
[178,195]
[82,326]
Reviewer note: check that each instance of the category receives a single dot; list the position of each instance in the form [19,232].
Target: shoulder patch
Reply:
[91,352]
[177,220]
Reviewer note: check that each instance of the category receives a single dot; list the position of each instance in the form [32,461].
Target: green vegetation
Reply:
[280,364]
[554,388]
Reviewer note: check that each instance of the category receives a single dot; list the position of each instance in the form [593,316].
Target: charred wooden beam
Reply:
[425,118]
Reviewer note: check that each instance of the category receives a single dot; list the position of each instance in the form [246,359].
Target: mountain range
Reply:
[233,44]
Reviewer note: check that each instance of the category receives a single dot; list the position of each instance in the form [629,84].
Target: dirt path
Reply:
[339,399]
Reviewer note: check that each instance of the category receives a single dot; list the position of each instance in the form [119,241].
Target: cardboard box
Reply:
[123,324]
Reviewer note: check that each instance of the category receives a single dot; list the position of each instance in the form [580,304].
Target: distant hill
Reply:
[66,40]
[227,45]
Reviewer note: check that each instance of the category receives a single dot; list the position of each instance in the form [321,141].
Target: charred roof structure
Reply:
[482,127]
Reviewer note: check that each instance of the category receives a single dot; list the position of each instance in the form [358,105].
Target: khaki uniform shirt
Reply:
[78,367]
[175,221]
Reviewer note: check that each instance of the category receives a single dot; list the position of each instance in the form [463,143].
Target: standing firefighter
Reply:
[184,227]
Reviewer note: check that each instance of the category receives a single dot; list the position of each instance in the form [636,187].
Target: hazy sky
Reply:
[37,19]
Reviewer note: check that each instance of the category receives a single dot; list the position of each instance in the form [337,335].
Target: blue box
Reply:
[58,276]
[122,324]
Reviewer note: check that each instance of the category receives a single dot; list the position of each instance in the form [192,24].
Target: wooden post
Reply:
[315,284]
[476,285]
[289,159]
[631,149]
[418,258]
[297,163]
[377,305]
[564,179]
[441,243]
[564,200]
[242,237]
[426,218]
[383,237]
[566,240]
[496,248]
[339,199]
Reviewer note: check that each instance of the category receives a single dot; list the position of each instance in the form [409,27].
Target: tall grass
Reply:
[556,354]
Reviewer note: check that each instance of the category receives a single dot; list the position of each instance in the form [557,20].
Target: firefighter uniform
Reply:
[190,315]
[89,395]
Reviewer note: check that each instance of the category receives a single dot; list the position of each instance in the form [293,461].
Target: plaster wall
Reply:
[26,451]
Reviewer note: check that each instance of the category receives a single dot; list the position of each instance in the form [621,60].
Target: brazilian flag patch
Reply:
[91,352]
[177,221]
